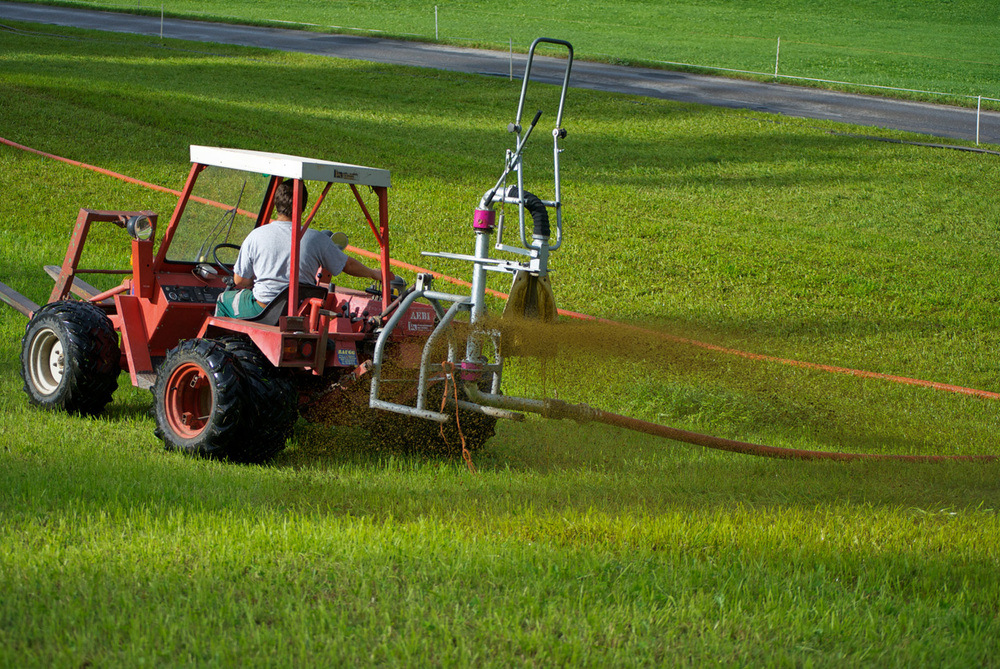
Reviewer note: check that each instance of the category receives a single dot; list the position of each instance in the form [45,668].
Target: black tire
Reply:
[70,358]
[273,399]
[199,401]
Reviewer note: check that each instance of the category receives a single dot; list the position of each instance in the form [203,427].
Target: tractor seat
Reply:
[277,307]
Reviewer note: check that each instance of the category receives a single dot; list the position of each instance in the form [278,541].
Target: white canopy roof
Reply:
[289,167]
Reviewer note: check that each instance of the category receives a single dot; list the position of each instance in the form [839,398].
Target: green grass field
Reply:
[574,544]
[947,47]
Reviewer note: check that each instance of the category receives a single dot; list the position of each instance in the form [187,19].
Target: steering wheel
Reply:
[215,256]
[396,288]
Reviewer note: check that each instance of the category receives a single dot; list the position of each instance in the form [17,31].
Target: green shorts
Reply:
[237,304]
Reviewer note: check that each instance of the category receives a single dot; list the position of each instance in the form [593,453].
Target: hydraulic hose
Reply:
[583,413]
[718,443]
[535,207]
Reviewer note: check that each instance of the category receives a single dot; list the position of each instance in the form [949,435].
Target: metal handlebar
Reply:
[527,75]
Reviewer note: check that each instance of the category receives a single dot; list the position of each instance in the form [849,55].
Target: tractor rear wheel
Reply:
[272,395]
[200,401]
[70,359]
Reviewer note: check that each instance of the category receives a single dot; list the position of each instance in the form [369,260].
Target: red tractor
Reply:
[232,388]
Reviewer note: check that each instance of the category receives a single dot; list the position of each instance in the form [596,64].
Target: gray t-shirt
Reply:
[266,256]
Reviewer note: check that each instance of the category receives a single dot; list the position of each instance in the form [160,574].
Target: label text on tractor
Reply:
[420,321]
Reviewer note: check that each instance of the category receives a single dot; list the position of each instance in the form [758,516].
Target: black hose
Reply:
[538,210]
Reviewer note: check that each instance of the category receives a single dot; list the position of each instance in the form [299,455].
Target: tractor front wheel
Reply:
[70,359]
[274,396]
[200,401]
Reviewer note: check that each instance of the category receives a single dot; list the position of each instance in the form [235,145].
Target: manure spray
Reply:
[657,374]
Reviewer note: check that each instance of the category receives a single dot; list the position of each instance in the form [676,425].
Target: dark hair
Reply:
[283,202]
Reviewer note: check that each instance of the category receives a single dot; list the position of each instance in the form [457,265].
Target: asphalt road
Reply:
[928,119]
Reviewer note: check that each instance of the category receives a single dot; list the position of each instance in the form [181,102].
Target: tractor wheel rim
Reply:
[188,400]
[46,361]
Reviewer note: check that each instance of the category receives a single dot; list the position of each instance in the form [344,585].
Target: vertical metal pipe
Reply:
[474,347]
[383,243]
[777,54]
[979,108]
[479,277]
[558,188]
[443,328]
[293,263]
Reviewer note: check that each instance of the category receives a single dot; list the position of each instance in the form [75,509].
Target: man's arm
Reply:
[242,281]
[243,268]
[355,268]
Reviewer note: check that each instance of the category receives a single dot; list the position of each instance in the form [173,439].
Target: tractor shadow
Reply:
[605,468]
[560,466]
[129,411]
[321,447]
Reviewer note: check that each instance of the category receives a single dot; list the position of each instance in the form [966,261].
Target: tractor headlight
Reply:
[339,239]
[139,227]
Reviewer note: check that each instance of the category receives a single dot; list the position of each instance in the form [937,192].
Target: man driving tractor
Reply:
[261,270]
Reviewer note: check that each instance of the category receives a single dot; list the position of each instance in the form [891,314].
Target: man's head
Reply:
[283,202]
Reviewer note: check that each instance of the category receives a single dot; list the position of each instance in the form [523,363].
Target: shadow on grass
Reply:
[560,465]
[548,466]
[136,407]
[326,105]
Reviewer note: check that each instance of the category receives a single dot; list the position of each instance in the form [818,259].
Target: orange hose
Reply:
[99,170]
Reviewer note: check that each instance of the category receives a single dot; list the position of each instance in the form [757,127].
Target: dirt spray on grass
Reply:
[660,377]
[656,382]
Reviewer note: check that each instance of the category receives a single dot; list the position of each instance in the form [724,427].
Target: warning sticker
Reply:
[347,357]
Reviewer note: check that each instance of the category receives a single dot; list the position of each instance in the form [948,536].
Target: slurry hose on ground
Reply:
[583,413]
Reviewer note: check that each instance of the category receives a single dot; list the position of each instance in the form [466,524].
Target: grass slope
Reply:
[939,46]
[574,544]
